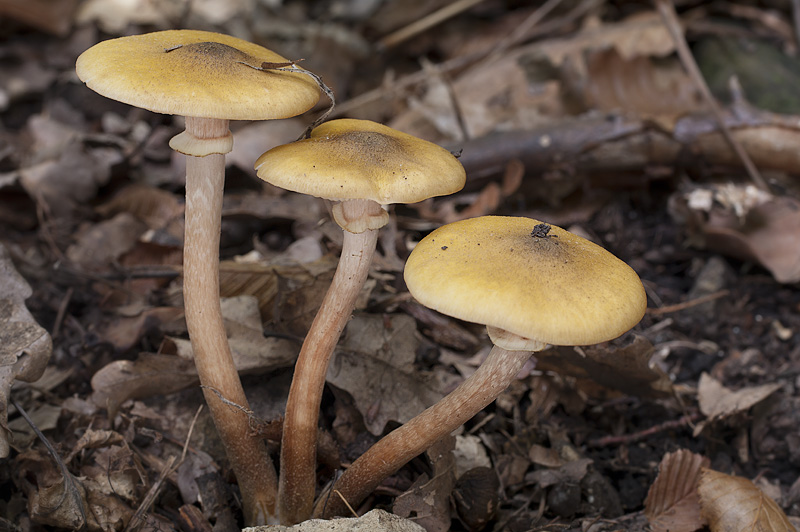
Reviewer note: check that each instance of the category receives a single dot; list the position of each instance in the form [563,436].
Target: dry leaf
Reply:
[734,504]
[155,207]
[25,346]
[372,521]
[769,234]
[158,374]
[374,364]
[627,369]
[639,85]
[718,402]
[672,503]
[428,499]
[101,244]
[52,499]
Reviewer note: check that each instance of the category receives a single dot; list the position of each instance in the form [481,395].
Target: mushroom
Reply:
[361,165]
[531,284]
[210,79]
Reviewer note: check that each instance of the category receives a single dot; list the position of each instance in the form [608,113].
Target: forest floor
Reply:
[580,114]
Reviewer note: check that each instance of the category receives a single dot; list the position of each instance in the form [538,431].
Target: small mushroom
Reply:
[531,286]
[361,165]
[210,79]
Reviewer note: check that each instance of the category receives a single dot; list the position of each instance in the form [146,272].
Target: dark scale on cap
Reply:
[213,55]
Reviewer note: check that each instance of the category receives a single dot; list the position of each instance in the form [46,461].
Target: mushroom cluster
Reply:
[530,283]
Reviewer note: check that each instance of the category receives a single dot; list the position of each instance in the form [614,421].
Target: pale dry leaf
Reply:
[372,521]
[25,347]
[768,234]
[155,207]
[251,351]
[94,439]
[288,295]
[150,374]
[571,472]
[100,245]
[374,364]
[125,331]
[672,503]
[718,402]
[627,368]
[470,453]
[428,499]
[734,504]
[159,374]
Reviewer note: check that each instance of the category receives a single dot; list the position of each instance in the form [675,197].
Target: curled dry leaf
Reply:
[734,504]
[672,503]
[25,346]
[718,402]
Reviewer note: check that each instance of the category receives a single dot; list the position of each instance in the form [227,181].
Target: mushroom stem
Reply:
[398,447]
[298,445]
[205,177]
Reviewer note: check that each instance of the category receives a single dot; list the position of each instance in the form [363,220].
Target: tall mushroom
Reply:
[531,284]
[362,166]
[210,79]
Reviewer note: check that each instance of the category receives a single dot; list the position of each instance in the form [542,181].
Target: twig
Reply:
[345,502]
[688,304]
[62,310]
[633,437]
[670,18]
[70,483]
[432,19]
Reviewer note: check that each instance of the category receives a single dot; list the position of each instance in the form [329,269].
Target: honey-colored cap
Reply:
[531,279]
[359,159]
[196,73]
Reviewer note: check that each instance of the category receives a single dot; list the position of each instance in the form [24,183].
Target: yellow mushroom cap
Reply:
[554,287]
[359,159]
[195,73]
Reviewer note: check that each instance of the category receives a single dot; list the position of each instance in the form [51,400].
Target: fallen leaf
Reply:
[769,234]
[94,439]
[571,472]
[25,346]
[672,503]
[159,374]
[428,500]
[372,521]
[734,504]
[100,245]
[374,364]
[718,402]
[52,499]
[627,368]
[155,207]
